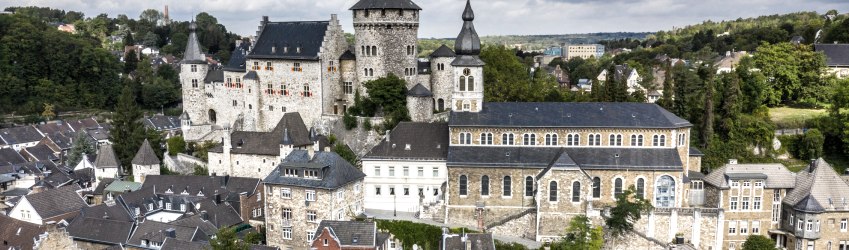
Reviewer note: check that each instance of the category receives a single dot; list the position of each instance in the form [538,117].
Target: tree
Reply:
[628,209]
[128,39]
[256,237]
[346,153]
[48,112]
[127,133]
[131,61]
[707,119]
[226,239]
[581,235]
[176,145]
[82,146]
[151,16]
[811,145]
[758,242]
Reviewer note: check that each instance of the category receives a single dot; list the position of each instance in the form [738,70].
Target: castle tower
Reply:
[442,77]
[145,162]
[193,70]
[386,36]
[468,67]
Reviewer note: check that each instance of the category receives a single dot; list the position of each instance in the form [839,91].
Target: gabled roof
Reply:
[350,233]
[835,54]
[569,115]
[282,40]
[104,211]
[83,124]
[122,186]
[155,232]
[427,141]
[251,75]
[775,175]
[162,122]
[443,51]
[177,244]
[106,157]
[818,189]
[18,234]
[476,242]
[40,152]
[100,230]
[214,76]
[18,135]
[198,221]
[54,127]
[419,91]
[145,156]
[225,185]
[238,62]
[9,156]
[268,143]
[338,172]
[385,4]
[55,202]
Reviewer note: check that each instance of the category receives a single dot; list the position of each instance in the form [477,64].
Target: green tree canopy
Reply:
[758,242]
[628,209]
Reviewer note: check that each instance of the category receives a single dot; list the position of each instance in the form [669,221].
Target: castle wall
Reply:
[420,108]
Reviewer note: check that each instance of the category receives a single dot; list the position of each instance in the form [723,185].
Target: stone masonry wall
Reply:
[522,227]
[442,81]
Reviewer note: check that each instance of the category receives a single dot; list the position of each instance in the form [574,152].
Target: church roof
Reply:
[569,115]
[106,158]
[385,4]
[193,54]
[583,157]
[443,51]
[419,91]
[145,156]
[281,40]
[468,44]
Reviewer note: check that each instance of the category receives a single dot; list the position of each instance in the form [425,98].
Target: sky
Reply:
[441,18]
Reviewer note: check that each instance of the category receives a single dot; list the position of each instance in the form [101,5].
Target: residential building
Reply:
[349,235]
[19,234]
[406,171]
[625,74]
[49,205]
[730,61]
[814,214]
[837,58]
[584,51]
[554,51]
[245,195]
[305,189]
[19,138]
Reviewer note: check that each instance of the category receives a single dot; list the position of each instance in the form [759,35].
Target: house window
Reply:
[506,139]
[596,187]
[268,66]
[406,171]
[576,191]
[843,223]
[348,88]
[745,203]
[421,171]
[391,171]
[484,185]
[310,236]
[732,227]
[310,195]
[377,171]
[435,172]
[463,181]
[529,139]
[665,192]
[486,138]
[529,186]
[573,140]
[391,190]
[552,191]
[287,214]
[551,139]
[810,225]
[307,92]
[256,66]
[756,227]
[406,191]
[168,206]
[297,67]
[377,190]
[194,83]
[506,188]
[641,188]
[756,205]
[744,227]
[340,195]
[311,217]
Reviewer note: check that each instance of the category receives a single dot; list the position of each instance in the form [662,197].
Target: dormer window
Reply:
[311,174]
[290,173]
[168,206]
[183,207]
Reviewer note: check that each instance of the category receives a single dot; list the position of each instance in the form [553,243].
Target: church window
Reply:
[362,50]
[617,186]
[665,192]
[306,92]
[576,191]
[194,68]
[466,106]
[463,185]
[596,187]
[641,188]
[465,138]
[682,139]
[573,140]
[552,191]
[507,139]
[529,186]
[615,140]
[636,140]
[595,140]
[348,88]
[529,139]
[297,67]
[485,185]
[370,72]
[467,71]
[551,139]
[462,83]
[486,138]
[507,185]
[471,83]
[365,72]
[659,140]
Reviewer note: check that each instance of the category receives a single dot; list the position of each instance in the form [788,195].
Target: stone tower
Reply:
[386,36]
[145,162]
[442,77]
[193,70]
[468,67]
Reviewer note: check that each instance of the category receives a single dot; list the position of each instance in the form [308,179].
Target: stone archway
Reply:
[212,116]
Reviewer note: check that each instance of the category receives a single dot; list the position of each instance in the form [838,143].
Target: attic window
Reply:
[298,50]
[355,239]
[407,147]
[310,174]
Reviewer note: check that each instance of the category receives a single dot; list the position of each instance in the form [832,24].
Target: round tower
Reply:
[193,70]
[385,40]
[468,67]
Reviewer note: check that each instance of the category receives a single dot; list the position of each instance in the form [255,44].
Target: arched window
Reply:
[485,185]
[368,50]
[664,194]
[463,182]
[596,187]
[374,50]
[486,138]
[663,140]
[529,186]
[529,139]
[363,50]
[471,83]
[365,72]
[552,191]
[370,72]
[551,139]
[440,104]
[462,83]
[506,189]
[466,138]
[506,139]
[576,191]
[615,140]
[617,186]
[641,188]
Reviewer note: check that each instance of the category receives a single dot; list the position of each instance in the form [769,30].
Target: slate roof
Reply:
[238,62]
[695,152]
[8,156]
[585,158]
[17,234]
[55,202]
[818,186]
[251,75]
[197,221]
[193,54]
[336,173]
[776,175]
[385,4]
[443,51]
[220,215]
[161,122]
[228,187]
[478,242]
[348,55]
[18,135]
[41,152]
[145,156]
[835,54]
[346,231]
[103,231]
[286,37]
[54,127]
[419,91]
[155,232]
[268,143]
[99,133]
[102,185]
[427,141]
[569,115]
[63,141]
[83,124]
[176,244]
[104,211]
[214,76]
[122,186]
[106,157]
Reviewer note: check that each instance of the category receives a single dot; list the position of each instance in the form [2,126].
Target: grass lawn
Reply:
[786,117]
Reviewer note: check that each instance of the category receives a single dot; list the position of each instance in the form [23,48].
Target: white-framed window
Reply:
[759,184]
[843,223]
[310,195]
[810,225]
[617,186]
[464,182]
[576,191]
[595,140]
[435,172]
[286,193]
[745,204]
[682,139]
[732,227]
[817,226]
[507,139]
[310,235]
[733,203]
[801,224]
[664,193]
[485,185]
[529,139]
[465,138]
[573,140]
[406,171]
[391,171]
[659,141]
[756,205]
[376,170]
[486,138]
[615,140]
[552,191]
[168,206]
[340,195]
[735,184]
[311,216]
[747,184]
[183,207]
[421,171]
[194,68]
[551,139]
[348,88]
[756,227]
[636,140]
[507,188]
[744,227]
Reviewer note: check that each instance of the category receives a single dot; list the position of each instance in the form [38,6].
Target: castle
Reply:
[309,68]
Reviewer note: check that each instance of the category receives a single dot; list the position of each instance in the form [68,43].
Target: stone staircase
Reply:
[504,220]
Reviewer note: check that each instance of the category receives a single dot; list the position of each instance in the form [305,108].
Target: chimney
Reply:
[217,198]
[204,215]
[388,132]
[311,152]
[264,20]
[170,233]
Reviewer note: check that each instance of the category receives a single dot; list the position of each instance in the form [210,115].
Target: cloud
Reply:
[441,18]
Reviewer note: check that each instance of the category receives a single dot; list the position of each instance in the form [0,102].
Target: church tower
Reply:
[468,67]
[193,70]
[385,41]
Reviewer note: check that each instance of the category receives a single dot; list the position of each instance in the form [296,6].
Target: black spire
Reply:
[468,44]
